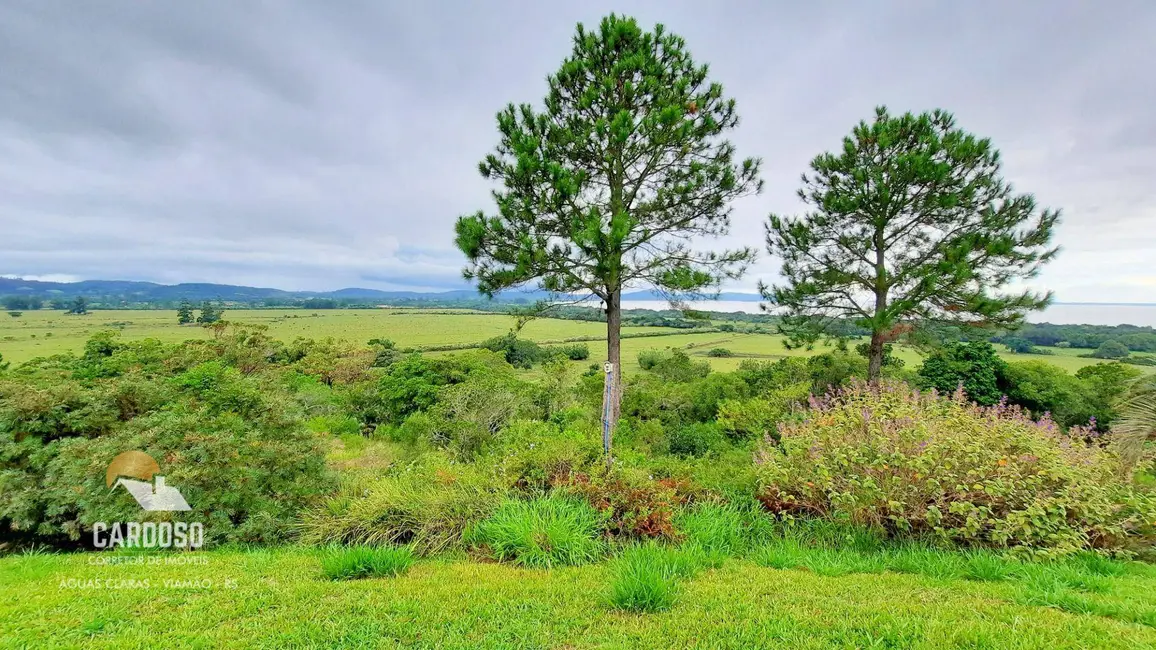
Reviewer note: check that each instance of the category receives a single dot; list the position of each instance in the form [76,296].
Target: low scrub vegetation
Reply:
[916,463]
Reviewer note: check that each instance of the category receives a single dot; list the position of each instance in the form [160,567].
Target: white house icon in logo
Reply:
[155,496]
[145,485]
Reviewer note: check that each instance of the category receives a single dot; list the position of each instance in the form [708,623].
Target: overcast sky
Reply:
[320,145]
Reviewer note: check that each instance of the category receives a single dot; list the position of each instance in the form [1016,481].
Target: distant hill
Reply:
[139,292]
[131,291]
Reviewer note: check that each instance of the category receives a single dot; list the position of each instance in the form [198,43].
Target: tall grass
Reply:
[416,508]
[713,531]
[349,563]
[645,577]
[541,533]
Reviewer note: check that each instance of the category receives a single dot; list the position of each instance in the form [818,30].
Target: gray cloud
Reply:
[312,145]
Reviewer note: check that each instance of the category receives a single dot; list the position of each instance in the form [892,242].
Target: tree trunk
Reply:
[875,357]
[614,353]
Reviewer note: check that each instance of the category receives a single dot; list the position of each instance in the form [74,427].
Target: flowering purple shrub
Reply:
[921,463]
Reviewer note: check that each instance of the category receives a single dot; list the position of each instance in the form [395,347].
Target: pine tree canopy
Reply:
[910,225]
[611,184]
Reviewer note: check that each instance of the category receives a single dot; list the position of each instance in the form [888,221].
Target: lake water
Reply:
[1067,314]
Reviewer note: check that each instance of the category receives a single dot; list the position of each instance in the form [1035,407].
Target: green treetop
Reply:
[910,228]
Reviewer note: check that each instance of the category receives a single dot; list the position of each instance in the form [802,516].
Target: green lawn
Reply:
[278,599]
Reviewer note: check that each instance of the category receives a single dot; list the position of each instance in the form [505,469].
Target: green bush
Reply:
[832,370]
[673,365]
[758,417]
[973,365]
[233,444]
[1019,345]
[535,456]
[704,395]
[519,353]
[912,463]
[719,353]
[469,414]
[645,578]
[336,425]
[350,563]
[541,533]
[1111,350]
[674,403]
[427,505]
[1043,388]
[575,352]
[765,376]
[697,439]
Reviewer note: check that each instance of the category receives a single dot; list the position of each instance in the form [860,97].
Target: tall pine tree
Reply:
[613,184]
[185,313]
[911,226]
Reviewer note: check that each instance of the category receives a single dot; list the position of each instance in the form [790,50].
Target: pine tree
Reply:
[608,187]
[79,306]
[185,313]
[911,228]
[208,313]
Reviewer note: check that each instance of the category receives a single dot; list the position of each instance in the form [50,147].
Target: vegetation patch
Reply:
[541,533]
[908,463]
[348,563]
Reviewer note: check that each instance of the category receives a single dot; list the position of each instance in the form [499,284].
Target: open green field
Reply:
[279,599]
[42,333]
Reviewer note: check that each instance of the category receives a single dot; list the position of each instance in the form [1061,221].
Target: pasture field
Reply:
[43,333]
[277,598]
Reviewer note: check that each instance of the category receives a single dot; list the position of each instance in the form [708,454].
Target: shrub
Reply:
[541,533]
[645,578]
[1019,345]
[651,397]
[834,369]
[1106,385]
[915,463]
[340,563]
[1111,350]
[704,395]
[973,365]
[519,353]
[426,505]
[575,352]
[1043,388]
[672,365]
[720,353]
[632,505]
[695,439]
[765,376]
[413,383]
[470,414]
[235,447]
[759,417]
[336,425]
[535,456]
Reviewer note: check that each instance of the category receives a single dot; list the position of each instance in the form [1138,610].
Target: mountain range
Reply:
[133,291]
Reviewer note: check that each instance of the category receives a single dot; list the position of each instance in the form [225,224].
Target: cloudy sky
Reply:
[320,145]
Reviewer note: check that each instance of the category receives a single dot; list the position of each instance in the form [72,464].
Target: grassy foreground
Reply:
[279,598]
